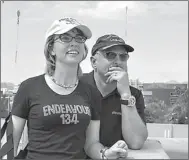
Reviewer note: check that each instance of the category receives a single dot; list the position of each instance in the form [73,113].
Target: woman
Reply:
[62,112]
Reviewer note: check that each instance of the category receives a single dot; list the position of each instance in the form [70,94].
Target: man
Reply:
[122,114]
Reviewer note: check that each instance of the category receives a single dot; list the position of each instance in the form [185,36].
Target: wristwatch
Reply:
[102,151]
[128,101]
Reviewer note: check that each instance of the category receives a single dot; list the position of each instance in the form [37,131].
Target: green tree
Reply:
[179,112]
[155,110]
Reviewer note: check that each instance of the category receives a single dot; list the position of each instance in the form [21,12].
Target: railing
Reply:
[167,130]
[7,147]
[154,130]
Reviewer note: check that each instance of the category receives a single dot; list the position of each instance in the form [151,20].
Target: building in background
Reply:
[136,83]
[166,92]
[7,97]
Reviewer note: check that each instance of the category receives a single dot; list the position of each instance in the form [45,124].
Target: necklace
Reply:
[65,86]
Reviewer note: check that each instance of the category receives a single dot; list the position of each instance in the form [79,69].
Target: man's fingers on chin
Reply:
[108,79]
[115,68]
[108,73]
[111,72]
[113,79]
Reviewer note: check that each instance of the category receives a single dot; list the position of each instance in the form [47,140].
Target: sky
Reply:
[157,30]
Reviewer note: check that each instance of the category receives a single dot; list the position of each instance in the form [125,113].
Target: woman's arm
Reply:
[18,126]
[92,145]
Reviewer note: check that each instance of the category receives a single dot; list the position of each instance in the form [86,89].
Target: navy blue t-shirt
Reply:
[56,123]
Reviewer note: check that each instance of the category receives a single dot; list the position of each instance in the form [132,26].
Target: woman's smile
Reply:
[72,52]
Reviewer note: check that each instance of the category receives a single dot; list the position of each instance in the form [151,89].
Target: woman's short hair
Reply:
[51,59]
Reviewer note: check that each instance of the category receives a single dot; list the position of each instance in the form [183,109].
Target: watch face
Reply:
[129,102]
[132,101]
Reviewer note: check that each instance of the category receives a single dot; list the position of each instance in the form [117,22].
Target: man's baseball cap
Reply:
[66,24]
[108,41]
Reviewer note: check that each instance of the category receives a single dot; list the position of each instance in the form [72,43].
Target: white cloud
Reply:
[171,7]
[37,4]
[115,5]
[33,19]
[181,65]
[114,9]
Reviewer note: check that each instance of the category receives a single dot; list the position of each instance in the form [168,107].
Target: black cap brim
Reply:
[127,47]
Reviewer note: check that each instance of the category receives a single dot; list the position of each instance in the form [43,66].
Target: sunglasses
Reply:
[112,56]
[67,38]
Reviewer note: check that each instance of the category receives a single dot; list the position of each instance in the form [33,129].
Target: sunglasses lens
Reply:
[80,39]
[123,57]
[111,55]
[65,38]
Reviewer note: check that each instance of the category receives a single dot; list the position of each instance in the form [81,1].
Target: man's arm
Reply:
[134,130]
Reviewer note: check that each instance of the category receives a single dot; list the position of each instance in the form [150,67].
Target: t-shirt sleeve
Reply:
[95,104]
[20,106]
[140,106]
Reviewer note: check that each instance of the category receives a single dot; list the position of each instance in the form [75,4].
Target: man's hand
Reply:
[118,150]
[121,76]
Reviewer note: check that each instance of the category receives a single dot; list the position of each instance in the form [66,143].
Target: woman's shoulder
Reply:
[31,81]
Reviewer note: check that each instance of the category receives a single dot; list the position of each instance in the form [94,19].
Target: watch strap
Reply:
[125,102]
